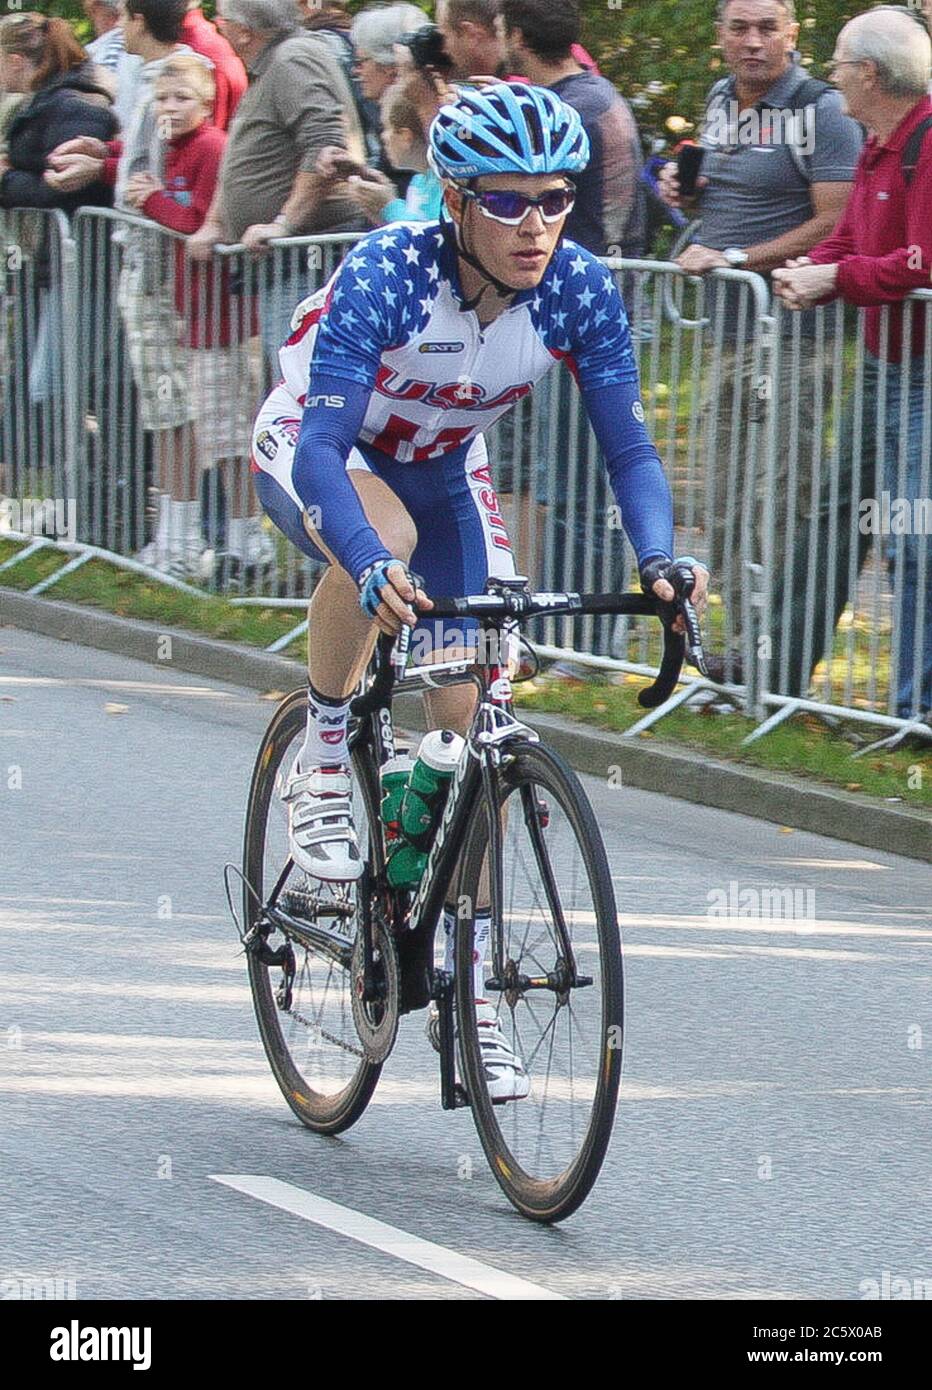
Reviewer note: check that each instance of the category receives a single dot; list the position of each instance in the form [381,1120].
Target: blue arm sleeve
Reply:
[367,314]
[328,433]
[637,477]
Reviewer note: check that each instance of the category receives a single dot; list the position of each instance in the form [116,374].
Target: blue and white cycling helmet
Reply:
[506,128]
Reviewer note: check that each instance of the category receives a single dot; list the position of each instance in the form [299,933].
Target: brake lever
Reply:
[400,649]
[683,580]
[695,654]
[402,643]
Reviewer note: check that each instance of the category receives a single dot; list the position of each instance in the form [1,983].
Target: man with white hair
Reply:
[880,251]
[375,33]
[297,103]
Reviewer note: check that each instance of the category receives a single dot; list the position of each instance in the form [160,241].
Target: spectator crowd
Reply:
[283,119]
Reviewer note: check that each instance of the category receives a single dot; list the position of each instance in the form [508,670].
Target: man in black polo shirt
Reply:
[777,172]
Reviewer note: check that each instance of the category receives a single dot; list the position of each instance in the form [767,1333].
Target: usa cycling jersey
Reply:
[387,362]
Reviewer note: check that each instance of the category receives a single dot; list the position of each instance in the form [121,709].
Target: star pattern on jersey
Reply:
[391,283]
[390,278]
[577,312]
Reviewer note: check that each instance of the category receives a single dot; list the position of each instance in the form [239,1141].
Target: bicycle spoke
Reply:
[313,1046]
[558,894]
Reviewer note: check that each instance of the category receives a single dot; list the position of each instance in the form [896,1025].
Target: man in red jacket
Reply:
[880,251]
[229,74]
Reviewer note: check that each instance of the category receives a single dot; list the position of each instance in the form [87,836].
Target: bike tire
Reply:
[557,1195]
[323,1113]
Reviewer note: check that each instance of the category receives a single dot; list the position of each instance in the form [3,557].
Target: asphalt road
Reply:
[773,1138]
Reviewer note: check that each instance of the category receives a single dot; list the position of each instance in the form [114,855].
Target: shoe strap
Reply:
[319,782]
[322,811]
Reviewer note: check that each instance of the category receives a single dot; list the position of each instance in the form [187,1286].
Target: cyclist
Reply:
[370,454]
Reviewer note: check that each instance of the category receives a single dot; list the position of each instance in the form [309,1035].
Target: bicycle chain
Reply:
[328,1037]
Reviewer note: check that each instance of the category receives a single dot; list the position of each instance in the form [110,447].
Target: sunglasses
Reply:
[503,205]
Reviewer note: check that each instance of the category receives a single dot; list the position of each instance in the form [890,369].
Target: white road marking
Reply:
[866,864]
[436,1259]
[95,683]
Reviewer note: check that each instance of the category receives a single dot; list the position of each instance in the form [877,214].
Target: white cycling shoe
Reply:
[506,1078]
[321,834]
[504,1069]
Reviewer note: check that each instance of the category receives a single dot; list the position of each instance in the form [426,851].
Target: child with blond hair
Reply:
[216,324]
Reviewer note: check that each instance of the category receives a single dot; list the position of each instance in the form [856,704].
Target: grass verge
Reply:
[130,595]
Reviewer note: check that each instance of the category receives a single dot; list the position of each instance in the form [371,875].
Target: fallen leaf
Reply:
[272,695]
[786,830]
[853,786]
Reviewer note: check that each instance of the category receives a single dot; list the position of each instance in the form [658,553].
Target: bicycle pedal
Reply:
[461,1097]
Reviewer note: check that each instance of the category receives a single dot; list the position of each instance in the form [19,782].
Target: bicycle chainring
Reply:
[376,1019]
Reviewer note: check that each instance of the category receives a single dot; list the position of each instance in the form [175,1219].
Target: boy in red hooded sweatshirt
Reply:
[219,372]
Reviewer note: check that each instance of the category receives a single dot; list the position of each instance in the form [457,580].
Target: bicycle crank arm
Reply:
[452,1094]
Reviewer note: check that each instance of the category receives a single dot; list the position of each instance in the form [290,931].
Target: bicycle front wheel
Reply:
[555,947]
[310,1037]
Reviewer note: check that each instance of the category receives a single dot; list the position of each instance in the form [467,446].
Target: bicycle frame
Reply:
[493,725]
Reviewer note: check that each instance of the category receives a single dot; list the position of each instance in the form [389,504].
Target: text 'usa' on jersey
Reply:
[391,319]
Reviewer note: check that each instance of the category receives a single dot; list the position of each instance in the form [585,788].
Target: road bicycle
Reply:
[333,967]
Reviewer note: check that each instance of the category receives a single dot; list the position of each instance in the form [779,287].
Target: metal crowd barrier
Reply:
[38,375]
[847,526]
[762,419]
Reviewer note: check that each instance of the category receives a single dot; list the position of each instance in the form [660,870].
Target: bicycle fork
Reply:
[452,1094]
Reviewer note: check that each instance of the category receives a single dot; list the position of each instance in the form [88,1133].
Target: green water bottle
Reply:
[428,786]
[404,865]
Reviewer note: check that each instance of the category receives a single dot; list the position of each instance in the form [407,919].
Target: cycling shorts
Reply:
[461,537]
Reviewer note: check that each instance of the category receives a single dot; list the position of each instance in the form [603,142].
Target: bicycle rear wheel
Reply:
[560,996]
[310,1038]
